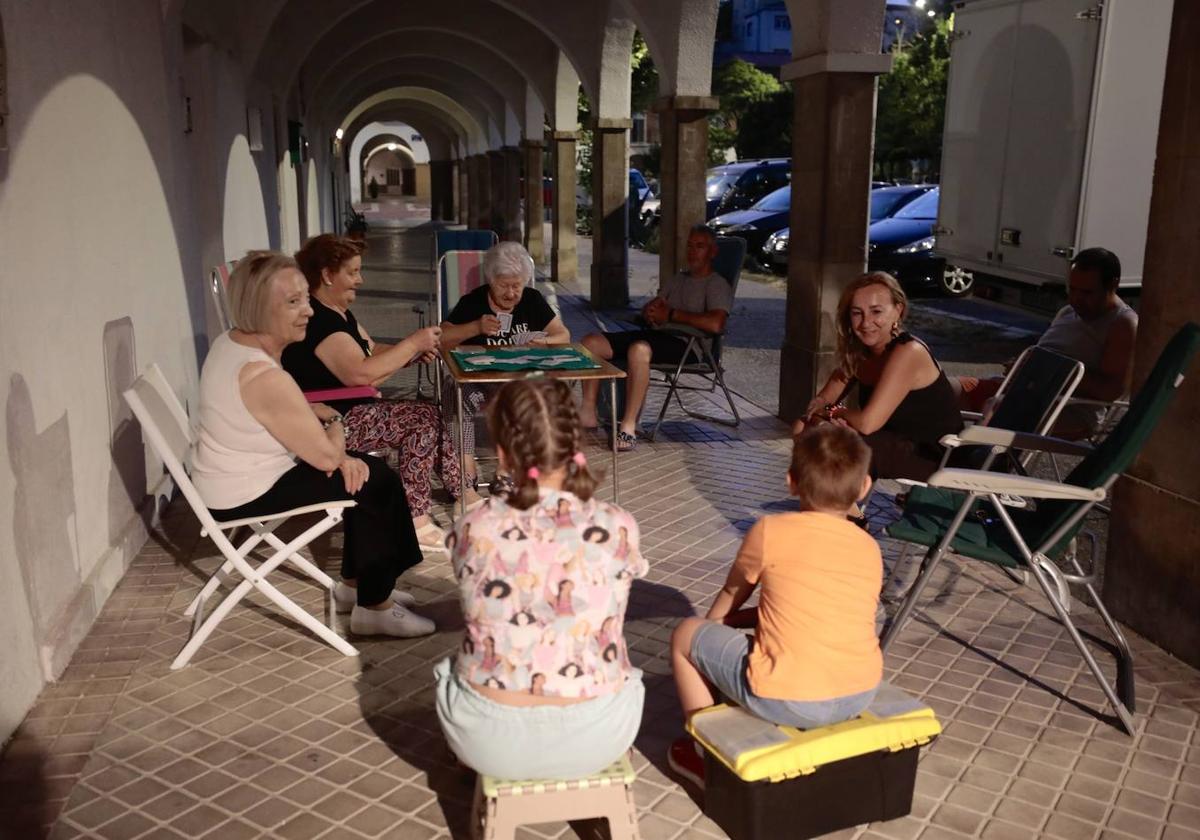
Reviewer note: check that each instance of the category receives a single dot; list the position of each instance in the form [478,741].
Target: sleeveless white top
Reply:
[237,459]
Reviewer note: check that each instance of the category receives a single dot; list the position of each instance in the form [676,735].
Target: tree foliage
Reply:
[740,85]
[911,107]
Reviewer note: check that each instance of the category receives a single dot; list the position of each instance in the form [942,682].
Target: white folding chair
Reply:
[165,424]
[218,285]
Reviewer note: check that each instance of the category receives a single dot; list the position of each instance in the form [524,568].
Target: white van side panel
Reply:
[1119,171]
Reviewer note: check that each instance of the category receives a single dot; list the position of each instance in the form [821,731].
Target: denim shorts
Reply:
[721,654]
[536,742]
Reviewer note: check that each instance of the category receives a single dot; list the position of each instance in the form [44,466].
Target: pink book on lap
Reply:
[335,394]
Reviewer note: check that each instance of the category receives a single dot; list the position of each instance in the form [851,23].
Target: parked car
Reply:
[902,245]
[638,187]
[886,199]
[775,250]
[755,183]
[735,186]
[757,222]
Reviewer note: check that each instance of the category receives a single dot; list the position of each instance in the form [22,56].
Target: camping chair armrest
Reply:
[978,435]
[982,481]
[1123,403]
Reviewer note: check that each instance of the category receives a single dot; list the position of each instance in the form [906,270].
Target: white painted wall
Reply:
[93,286]
[111,214]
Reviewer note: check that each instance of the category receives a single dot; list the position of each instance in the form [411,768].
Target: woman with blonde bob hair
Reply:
[905,402]
[262,449]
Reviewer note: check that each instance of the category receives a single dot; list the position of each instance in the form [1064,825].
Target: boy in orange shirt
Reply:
[815,658]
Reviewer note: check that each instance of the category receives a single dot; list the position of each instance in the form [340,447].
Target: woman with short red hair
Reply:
[337,352]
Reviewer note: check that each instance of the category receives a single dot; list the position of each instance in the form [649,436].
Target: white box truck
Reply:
[1051,127]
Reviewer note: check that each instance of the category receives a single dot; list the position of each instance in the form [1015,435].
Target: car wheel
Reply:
[957,282]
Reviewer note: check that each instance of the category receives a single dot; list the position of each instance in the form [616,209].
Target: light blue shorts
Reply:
[721,654]
[536,742]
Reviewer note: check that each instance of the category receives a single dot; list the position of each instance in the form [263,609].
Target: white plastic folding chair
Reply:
[218,285]
[165,425]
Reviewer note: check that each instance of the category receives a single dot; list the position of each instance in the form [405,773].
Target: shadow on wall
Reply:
[127,478]
[44,516]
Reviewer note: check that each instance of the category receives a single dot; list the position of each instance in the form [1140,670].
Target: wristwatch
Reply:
[334,418]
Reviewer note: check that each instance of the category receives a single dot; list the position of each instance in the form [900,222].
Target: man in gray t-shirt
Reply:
[698,297]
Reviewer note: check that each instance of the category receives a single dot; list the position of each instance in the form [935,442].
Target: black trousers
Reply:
[896,456]
[380,541]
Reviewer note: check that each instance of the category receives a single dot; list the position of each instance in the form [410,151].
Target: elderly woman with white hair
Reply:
[505,311]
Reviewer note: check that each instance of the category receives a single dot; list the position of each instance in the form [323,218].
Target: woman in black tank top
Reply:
[906,404]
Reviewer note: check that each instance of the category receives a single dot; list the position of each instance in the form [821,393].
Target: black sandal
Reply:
[626,442]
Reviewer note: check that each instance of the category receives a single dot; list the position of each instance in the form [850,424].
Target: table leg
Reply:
[612,401]
[462,454]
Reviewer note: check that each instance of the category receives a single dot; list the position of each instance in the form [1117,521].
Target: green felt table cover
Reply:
[482,359]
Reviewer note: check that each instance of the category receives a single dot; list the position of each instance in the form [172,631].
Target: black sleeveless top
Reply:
[925,414]
[301,361]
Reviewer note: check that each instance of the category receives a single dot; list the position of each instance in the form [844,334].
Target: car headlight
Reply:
[920,245]
[780,243]
[739,228]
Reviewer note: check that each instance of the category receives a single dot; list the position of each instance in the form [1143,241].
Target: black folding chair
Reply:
[702,357]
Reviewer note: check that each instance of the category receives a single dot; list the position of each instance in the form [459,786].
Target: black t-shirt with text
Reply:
[531,314]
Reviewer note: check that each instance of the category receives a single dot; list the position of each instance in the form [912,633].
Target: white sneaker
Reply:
[396,621]
[345,597]
[431,537]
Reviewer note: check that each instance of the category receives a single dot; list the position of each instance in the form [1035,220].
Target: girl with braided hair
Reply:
[542,686]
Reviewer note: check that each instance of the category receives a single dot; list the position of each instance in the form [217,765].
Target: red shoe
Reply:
[687,761]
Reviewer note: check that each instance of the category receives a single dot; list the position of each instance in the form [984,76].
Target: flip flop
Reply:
[625,441]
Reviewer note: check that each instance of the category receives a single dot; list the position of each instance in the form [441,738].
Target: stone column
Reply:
[832,142]
[610,214]
[1151,577]
[534,207]
[481,212]
[496,206]
[460,192]
[564,261]
[441,188]
[511,203]
[683,121]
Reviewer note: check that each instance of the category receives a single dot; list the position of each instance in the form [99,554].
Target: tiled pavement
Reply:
[271,734]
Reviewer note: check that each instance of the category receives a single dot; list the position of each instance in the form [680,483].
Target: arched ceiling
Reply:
[442,135]
[455,113]
[307,50]
[460,84]
[324,79]
[437,142]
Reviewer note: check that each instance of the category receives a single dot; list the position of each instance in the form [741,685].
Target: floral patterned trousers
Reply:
[415,430]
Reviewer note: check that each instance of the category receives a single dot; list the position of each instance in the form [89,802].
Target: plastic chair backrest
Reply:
[1035,391]
[1116,453]
[461,240]
[459,272]
[219,289]
[165,425]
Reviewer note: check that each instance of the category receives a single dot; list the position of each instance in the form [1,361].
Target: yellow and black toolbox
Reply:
[769,782]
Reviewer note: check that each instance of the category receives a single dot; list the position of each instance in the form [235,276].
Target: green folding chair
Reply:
[960,511]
